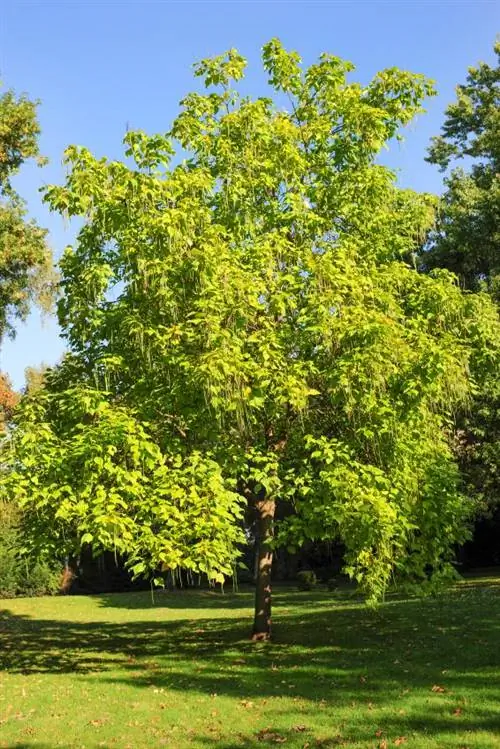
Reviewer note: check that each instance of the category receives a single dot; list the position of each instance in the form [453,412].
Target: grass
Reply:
[115,671]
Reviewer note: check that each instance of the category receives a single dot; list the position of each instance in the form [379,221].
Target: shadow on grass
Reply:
[190,598]
[327,650]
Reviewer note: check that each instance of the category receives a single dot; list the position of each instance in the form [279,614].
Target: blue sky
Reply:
[100,67]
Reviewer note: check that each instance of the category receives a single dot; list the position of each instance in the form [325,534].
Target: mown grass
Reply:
[115,671]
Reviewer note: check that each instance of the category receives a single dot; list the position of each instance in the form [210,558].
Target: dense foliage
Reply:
[22,574]
[8,401]
[467,241]
[26,273]
[468,234]
[244,328]
[26,277]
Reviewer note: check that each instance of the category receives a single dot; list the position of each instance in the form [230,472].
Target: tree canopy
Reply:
[466,240]
[8,401]
[26,272]
[244,328]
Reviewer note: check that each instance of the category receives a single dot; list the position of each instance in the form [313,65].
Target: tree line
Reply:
[265,335]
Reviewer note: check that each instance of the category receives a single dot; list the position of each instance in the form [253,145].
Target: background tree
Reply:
[34,378]
[467,239]
[467,242]
[8,401]
[243,327]
[26,277]
[26,272]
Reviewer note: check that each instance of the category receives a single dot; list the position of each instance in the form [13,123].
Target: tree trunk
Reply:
[265,509]
[69,573]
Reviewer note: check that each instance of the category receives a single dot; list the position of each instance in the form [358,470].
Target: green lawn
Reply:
[116,671]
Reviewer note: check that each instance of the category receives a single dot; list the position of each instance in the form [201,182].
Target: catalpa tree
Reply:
[245,329]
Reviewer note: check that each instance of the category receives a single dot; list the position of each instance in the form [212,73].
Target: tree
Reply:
[8,401]
[243,328]
[35,378]
[467,241]
[26,272]
[26,277]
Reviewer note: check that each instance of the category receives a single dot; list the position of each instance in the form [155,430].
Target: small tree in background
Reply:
[26,272]
[244,329]
[26,278]
[8,401]
[466,240]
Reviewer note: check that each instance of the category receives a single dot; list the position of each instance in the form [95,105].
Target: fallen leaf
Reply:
[400,740]
[270,736]
[379,733]
[457,711]
[299,729]
[247,703]
[438,689]
[383,744]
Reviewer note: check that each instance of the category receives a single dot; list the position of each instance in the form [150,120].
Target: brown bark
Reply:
[265,509]
[67,576]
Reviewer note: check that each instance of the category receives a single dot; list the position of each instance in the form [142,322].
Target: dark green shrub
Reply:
[38,579]
[9,563]
[306,580]
[20,575]
[332,584]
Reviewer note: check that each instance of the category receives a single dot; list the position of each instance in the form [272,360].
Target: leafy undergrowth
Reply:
[116,671]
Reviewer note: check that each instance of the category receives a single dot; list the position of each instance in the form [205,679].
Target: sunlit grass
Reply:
[118,671]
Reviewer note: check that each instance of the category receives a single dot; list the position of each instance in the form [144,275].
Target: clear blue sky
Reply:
[99,67]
